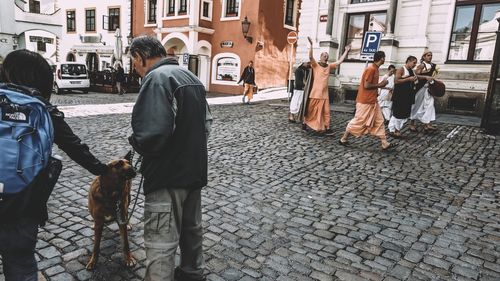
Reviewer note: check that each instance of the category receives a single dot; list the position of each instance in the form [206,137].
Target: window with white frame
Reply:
[175,8]
[151,11]
[226,69]
[206,10]
[290,11]
[231,8]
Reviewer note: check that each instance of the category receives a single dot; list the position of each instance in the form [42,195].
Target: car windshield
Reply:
[73,69]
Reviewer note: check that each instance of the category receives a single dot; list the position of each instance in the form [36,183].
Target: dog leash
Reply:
[139,161]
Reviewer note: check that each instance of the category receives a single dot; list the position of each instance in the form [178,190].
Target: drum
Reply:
[437,89]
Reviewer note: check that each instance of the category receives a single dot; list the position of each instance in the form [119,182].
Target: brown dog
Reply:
[109,199]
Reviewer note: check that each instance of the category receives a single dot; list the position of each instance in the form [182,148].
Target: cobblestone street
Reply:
[284,205]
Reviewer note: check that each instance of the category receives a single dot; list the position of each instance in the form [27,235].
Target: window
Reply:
[41,47]
[232,7]
[34,6]
[114,19]
[171,7]
[70,21]
[182,7]
[473,33]
[152,11]
[289,13]
[206,10]
[358,24]
[89,20]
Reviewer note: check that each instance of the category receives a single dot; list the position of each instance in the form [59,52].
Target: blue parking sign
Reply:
[371,42]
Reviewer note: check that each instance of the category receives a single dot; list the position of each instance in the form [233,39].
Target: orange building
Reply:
[208,36]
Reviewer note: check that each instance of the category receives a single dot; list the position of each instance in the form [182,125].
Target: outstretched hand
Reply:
[347,48]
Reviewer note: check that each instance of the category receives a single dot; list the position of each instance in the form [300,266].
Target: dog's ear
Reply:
[128,157]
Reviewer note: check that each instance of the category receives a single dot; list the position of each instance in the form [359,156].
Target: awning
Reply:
[93,48]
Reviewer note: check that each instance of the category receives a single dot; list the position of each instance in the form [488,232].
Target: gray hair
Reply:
[147,47]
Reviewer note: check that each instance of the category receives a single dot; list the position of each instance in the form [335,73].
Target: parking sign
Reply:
[371,43]
[185,58]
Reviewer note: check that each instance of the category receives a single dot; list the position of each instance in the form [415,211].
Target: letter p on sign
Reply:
[371,42]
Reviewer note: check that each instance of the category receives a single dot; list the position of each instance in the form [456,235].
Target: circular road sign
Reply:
[291,37]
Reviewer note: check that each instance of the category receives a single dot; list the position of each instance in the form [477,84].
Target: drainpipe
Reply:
[391,17]
[329,23]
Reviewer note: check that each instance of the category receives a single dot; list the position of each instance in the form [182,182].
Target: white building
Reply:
[33,24]
[93,31]
[460,33]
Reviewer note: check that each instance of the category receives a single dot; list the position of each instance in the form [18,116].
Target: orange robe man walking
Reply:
[368,118]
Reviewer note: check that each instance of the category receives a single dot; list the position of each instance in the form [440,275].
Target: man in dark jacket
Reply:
[19,228]
[170,124]
[248,78]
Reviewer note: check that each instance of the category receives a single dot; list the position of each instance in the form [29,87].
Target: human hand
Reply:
[384,83]
[347,48]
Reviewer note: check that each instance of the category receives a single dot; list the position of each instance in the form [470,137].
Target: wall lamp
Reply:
[245,26]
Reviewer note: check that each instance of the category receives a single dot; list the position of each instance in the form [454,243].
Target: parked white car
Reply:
[71,76]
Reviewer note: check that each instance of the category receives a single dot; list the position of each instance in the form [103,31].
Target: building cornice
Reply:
[185,29]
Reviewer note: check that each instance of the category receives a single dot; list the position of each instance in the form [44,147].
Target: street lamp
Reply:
[245,27]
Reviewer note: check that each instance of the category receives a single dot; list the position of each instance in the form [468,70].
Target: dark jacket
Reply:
[300,77]
[248,75]
[169,128]
[120,74]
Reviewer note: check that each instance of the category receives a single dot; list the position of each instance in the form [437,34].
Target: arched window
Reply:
[226,69]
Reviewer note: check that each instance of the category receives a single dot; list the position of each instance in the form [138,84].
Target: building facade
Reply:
[96,32]
[34,25]
[208,38]
[460,33]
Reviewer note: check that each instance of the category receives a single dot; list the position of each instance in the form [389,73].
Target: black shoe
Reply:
[179,275]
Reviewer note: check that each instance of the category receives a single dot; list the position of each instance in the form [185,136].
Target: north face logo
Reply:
[17,116]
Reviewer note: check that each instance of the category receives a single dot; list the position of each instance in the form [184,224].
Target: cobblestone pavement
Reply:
[285,205]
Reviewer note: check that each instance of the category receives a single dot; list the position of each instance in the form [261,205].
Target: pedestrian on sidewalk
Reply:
[423,109]
[385,94]
[317,116]
[368,118]
[28,210]
[302,74]
[120,78]
[248,78]
[170,123]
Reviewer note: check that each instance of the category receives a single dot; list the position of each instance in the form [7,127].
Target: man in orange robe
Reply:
[368,118]
[317,116]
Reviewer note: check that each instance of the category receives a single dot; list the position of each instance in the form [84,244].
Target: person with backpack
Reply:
[31,80]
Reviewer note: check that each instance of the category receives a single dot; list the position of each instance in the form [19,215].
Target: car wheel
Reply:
[57,90]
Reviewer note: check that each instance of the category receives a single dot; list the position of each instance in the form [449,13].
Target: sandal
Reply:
[395,135]
[344,143]
[413,128]
[390,146]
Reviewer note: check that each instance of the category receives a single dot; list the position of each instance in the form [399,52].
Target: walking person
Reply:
[368,118]
[120,79]
[28,209]
[248,78]
[385,94]
[423,108]
[170,123]
[301,75]
[317,116]
[403,96]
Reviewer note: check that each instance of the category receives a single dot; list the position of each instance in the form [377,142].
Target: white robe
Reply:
[296,101]
[384,97]
[423,108]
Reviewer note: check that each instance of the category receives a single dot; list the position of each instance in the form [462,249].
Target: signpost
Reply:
[291,39]
[185,59]
[371,43]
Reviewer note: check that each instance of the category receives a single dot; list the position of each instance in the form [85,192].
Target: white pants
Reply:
[296,101]
[423,108]
[396,124]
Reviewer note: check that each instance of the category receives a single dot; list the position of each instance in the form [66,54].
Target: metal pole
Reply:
[487,122]
[290,72]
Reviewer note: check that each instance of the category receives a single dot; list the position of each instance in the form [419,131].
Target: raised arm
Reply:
[311,55]
[344,55]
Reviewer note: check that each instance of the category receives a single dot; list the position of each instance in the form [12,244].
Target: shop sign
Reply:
[226,44]
[227,69]
[323,18]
